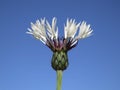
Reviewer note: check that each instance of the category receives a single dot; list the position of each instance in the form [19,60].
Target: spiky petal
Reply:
[84,31]
[52,29]
[71,28]
[38,30]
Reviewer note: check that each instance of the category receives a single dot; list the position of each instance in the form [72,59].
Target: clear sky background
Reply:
[25,63]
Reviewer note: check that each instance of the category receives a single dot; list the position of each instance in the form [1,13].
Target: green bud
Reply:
[59,60]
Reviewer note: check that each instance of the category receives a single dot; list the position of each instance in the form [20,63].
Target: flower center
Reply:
[61,44]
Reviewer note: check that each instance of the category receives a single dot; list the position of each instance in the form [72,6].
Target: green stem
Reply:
[59,79]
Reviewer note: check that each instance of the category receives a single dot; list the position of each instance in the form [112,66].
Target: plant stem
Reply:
[59,79]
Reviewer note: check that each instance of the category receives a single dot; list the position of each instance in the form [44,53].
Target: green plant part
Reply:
[59,60]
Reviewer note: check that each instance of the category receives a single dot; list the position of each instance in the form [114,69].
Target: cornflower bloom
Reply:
[48,34]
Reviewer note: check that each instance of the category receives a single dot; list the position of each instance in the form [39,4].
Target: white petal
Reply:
[56,33]
[84,31]
[43,41]
[53,25]
[52,28]
[38,30]
[74,43]
[71,28]
[29,33]
[48,26]
[43,21]
[65,32]
[29,30]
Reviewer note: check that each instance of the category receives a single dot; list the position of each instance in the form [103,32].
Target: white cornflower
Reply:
[48,34]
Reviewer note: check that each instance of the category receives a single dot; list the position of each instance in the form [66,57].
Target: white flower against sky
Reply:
[48,34]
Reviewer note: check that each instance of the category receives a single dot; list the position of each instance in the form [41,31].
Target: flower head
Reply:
[48,34]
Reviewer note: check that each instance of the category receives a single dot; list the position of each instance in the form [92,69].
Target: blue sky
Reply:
[25,63]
